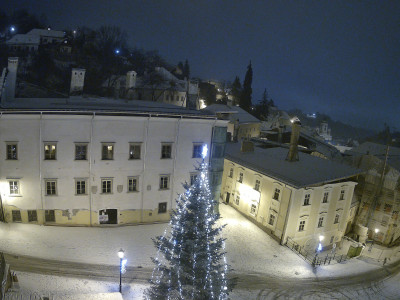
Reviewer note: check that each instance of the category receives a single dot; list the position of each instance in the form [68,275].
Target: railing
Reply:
[313,257]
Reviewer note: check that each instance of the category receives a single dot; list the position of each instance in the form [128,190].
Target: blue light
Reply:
[12,28]
[205,151]
[319,247]
[116,51]
[123,265]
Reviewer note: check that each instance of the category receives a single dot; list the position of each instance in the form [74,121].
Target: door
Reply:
[108,216]
[227,197]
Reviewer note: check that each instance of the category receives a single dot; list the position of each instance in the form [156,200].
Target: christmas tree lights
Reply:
[191,261]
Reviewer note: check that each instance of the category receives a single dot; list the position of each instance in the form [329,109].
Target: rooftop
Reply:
[236,113]
[307,171]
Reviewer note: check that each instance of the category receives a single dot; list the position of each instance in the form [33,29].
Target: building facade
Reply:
[286,198]
[92,167]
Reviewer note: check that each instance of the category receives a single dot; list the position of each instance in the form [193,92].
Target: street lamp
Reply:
[319,248]
[121,254]
[12,29]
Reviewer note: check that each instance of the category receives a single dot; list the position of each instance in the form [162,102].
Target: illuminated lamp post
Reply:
[122,263]
[319,249]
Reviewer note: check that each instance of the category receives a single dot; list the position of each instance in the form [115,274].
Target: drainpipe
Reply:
[90,170]
[2,216]
[286,217]
[40,166]
[174,164]
[144,167]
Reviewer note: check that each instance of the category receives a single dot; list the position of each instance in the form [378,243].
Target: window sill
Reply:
[106,193]
[166,158]
[107,159]
[132,192]
[134,159]
[50,159]
[19,195]
[11,159]
[163,189]
[275,199]
[306,204]
[81,195]
[51,195]
[160,213]
[80,159]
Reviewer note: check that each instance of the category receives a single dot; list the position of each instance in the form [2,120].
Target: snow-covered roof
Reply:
[46,32]
[307,171]
[101,105]
[236,113]
[24,39]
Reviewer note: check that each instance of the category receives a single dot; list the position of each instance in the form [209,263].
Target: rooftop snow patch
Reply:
[307,171]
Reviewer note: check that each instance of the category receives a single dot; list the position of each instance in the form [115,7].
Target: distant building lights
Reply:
[74,32]
[204,151]
[116,51]
[48,28]
[12,29]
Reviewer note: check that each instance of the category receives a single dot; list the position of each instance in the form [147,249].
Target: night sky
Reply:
[341,58]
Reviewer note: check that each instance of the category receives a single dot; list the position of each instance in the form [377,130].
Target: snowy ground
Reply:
[249,251]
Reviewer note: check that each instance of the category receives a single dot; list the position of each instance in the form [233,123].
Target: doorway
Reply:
[228,195]
[108,216]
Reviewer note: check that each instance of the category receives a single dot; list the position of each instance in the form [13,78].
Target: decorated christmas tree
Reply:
[191,262]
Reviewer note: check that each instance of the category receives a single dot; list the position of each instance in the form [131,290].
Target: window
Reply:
[162,207]
[16,216]
[240,177]
[12,151]
[276,194]
[80,152]
[107,152]
[132,184]
[49,215]
[237,199]
[51,187]
[166,150]
[253,209]
[50,151]
[80,187]
[301,225]
[218,150]
[14,187]
[164,182]
[307,199]
[197,150]
[106,186]
[193,178]
[271,220]
[341,195]
[387,208]
[320,221]
[325,199]
[231,173]
[336,219]
[332,237]
[257,185]
[134,151]
[32,216]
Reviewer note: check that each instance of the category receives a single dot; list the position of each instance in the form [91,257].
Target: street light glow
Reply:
[205,151]
[121,253]
[376,230]
[321,238]
[116,51]
[12,28]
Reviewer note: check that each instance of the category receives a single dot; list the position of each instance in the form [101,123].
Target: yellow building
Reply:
[301,199]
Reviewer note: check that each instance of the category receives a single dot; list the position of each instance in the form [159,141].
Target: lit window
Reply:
[134,151]
[50,151]
[12,151]
[14,187]
[193,178]
[271,220]
[166,150]
[80,152]
[162,207]
[164,182]
[276,194]
[107,152]
[341,195]
[336,219]
[325,199]
[80,187]
[301,225]
[132,184]
[197,150]
[237,200]
[320,221]
[231,173]
[307,199]
[106,186]
[51,187]
[253,209]
[257,185]
[240,177]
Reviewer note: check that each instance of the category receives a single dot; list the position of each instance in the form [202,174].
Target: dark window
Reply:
[134,151]
[336,219]
[81,187]
[49,215]
[16,216]
[107,152]
[332,237]
[50,151]
[320,221]
[257,185]
[32,216]
[51,187]
[307,199]
[166,151]
[106,186]
[237,200]
[132,184]
[197,150]
[231,173]
[253,209]
[164,182]
[240,177]
[301,226]
[218,151]
[341,195]
[325,199]
[162,207]
[12,151]
[80,152]
[271,220]
[276,194]
[193,178]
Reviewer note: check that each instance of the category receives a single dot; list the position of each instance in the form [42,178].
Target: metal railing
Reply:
[313,257]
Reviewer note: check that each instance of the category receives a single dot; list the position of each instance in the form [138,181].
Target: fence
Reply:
[313,257]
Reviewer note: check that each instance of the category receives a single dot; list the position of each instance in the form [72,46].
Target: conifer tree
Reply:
[236,90]
[186,70]
[191,263]
[245,99]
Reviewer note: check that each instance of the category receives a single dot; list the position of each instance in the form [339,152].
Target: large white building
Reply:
[84,161]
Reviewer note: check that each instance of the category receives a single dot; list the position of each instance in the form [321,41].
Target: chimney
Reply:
[11,78]
[293,154]
[247,146]
[77,81]
[130,80]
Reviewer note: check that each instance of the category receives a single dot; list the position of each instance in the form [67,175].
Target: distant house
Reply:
[379,191]
[35,38]
[299,199]
[241,124]
[324,131]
